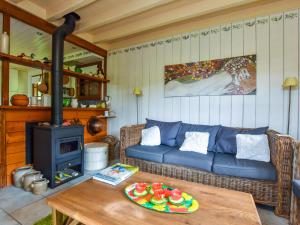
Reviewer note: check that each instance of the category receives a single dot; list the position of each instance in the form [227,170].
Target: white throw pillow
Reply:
[253,147]
[196,142]
[151,136]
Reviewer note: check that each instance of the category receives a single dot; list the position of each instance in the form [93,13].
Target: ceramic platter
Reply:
[189,204]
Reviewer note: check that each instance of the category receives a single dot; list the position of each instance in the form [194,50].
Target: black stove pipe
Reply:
[57,66]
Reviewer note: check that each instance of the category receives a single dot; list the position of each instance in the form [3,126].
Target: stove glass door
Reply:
[69,146]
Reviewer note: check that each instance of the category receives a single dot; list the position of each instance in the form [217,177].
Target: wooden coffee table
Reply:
[93,202]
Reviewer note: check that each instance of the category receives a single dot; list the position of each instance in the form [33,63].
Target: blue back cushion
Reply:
[226,138]
[212,130]
[168,130]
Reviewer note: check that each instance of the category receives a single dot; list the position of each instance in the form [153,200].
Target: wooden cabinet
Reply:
[88,89]
[2,152]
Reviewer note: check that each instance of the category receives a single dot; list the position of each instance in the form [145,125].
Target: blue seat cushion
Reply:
[296,188]
[212,130]
[168,130]
[228,164]
[226,138]
[190,159]
[149,153]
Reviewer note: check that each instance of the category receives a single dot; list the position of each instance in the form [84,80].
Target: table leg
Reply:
[71,221]
[74,222]
[57,217]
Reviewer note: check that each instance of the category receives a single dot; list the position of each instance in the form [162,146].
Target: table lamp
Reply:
[137,92]
[289,83]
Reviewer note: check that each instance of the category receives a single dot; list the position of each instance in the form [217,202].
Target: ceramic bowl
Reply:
[19,100]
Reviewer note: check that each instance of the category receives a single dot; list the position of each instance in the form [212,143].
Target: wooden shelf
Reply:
[40,65]
[107,117]
[84,76]
[24,62]
[10,107]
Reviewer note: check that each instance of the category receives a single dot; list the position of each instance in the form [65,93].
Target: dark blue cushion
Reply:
[190,159]
[149,153]
[212,130]
[168,130]
[226,138]
[296,188]
[228,164]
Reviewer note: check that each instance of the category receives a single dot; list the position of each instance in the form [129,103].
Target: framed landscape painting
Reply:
[229,76]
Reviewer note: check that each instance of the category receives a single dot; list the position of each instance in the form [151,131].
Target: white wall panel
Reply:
[262,71]
[237,101]
[176,58]
[160,79]
[276,72]
[139,80]
[214,53]
[194,57]
[185,57]
[275,41]
[249,49]
[145,81]
[168,109]
[122,83]
[291,60]
[204,110]
[153,82]
[112,127]
[132,75]
[225,101]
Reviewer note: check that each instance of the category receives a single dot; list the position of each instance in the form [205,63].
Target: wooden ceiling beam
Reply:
[162,16]
[43,25]
[116,13]
[58,8]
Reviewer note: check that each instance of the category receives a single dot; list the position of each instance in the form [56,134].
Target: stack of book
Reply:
[116,173]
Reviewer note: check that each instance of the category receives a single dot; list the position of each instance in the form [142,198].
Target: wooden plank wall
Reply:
[13,130]
[275,40]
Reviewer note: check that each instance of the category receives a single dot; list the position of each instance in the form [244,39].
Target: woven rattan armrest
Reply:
[129,135]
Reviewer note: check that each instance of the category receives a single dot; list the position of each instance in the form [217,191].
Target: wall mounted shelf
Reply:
[44,66]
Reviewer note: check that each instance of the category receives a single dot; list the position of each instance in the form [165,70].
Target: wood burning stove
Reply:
[58,149]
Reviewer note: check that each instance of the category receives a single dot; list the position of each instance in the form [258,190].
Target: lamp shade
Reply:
[137,91]
[290,82]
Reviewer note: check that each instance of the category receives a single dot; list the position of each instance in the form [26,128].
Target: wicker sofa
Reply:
[273,193]
[295,207]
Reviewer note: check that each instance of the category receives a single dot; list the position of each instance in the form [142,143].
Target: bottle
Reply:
[74,103]
[5,43]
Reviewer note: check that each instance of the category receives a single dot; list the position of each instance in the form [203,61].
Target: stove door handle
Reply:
[81,147]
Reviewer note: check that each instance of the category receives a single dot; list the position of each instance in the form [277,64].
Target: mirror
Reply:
[31,43]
